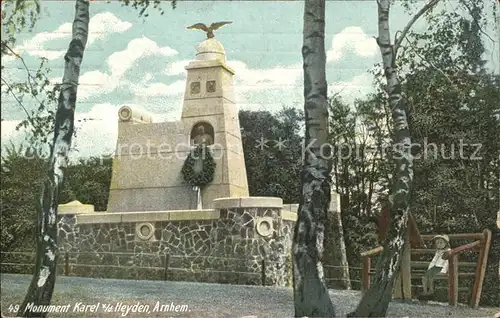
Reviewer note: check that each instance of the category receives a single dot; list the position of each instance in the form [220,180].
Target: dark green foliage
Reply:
[451,98]
[206,175]
[273,170]
[21,174]
[144,5]
[455,115]
[88,181]
[359,137]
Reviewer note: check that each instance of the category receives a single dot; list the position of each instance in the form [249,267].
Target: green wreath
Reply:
[189,170]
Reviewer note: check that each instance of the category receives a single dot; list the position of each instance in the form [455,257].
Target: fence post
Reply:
[167,261]
[482,260]
[66,263]
[263,272]
[366,274]
[453,280]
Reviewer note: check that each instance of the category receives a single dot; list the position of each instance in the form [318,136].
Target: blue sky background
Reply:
[134,60]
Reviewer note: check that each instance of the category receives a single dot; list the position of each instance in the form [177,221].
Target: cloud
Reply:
[266,88]
[351,38]
[357,87]
[120,62]
[96,82]
[160,89]
[91,83]
[177,68]
[248,79]
[105,23]
[9,128]
[35,46]
[11,137]
[96,131]
[100,25]
[97,134]
[271,82]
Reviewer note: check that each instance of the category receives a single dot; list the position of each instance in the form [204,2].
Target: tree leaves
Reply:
[455,99]
[273,169]
[144,5]
[36,87]
[22,171]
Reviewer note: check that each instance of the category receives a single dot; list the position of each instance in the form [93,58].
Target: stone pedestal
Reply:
[149,156]
[227,244]
[75,207]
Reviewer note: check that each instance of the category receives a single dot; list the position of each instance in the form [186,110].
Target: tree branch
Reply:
[414,19]
[19,102]
[475,21]
[27,71]
[436,68]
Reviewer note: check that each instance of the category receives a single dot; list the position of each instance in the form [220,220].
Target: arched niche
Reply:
[202,133]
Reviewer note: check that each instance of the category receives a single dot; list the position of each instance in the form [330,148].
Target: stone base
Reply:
[223,245]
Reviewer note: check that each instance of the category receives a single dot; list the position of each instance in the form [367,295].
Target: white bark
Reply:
[311,297]
[376,300]
[42,285]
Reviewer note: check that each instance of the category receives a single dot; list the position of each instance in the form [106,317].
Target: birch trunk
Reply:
[42,285]
[311,296]
[376,300]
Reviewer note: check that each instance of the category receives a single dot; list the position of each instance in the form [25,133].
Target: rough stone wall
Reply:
[224,250]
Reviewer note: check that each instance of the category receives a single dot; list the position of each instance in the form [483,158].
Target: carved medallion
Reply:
[195,87]
[145,231]
[125,113]
[211,86]
[264,226]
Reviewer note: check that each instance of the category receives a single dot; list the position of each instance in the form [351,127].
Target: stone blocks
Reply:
[223,245]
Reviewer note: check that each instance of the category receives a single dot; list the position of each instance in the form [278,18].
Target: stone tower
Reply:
[149,156]
[209,100]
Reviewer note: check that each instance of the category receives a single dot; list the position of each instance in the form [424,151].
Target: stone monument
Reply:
[149,156]
[155,228]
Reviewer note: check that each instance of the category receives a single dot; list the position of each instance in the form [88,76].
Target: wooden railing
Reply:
[481,244]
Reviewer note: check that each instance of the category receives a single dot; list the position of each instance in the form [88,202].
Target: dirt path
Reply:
[112,298]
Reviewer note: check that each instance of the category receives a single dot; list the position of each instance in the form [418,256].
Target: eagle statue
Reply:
[210,30]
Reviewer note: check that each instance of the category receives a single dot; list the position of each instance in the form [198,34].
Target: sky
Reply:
[132,60]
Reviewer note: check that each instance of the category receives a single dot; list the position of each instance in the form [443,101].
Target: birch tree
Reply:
[377,298]
[42,285]
[311,296]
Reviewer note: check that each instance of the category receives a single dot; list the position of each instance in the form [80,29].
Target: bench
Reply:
[480,243]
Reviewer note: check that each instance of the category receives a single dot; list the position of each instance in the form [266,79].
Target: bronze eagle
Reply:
[210,30]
